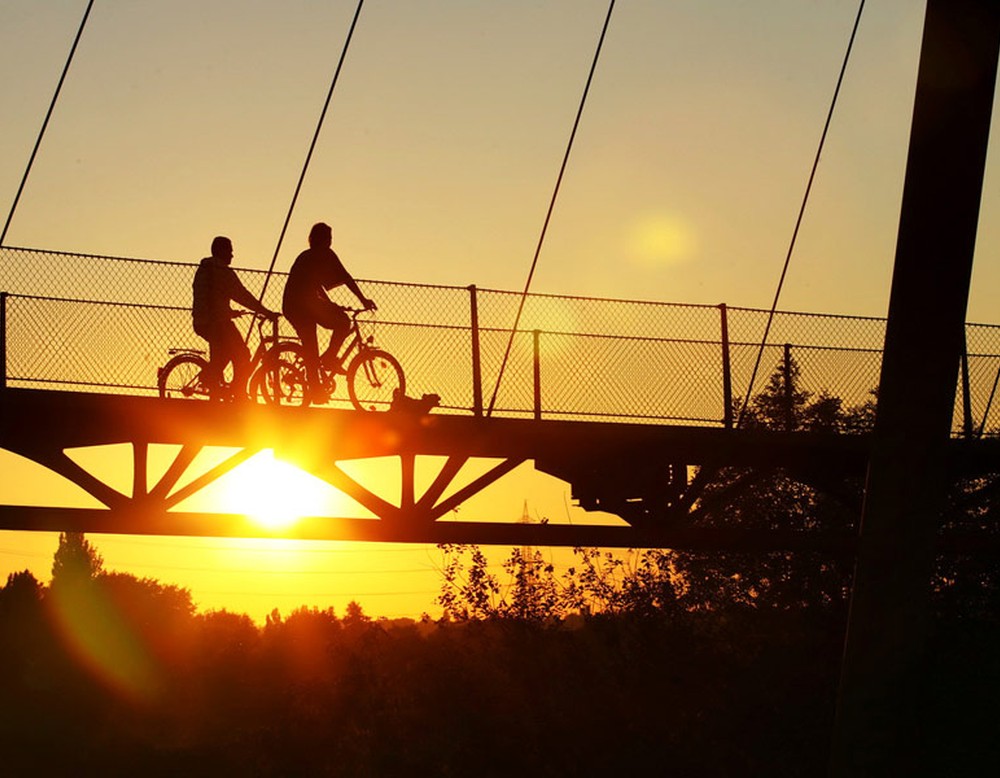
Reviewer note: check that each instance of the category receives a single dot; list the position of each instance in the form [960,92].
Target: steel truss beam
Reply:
[638,472]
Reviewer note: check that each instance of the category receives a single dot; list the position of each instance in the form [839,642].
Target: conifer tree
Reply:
[76,561]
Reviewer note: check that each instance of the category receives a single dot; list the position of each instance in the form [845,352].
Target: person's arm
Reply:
[366,302]
[241,295]
[348,280]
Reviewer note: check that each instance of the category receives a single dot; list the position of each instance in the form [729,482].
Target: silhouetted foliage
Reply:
[75,561]
[22,593]
[803,497]
[699,664]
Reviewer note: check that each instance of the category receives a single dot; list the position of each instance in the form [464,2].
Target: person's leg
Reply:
[306,330]
[237,353]
[212,374]
[339,324]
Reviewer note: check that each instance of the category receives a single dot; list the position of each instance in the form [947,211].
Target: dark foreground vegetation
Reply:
[113,675]
[647,663]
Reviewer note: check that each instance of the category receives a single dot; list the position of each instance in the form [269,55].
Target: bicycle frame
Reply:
[354,344]
[373,377]
[266,344]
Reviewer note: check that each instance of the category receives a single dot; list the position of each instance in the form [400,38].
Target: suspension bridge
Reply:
[622,399]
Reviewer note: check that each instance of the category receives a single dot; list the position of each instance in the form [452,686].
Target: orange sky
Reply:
[187,119]
[256,575]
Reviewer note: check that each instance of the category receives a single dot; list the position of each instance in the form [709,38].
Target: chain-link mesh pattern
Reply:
[747,325]
[106,323]
[982,342]
[850,374]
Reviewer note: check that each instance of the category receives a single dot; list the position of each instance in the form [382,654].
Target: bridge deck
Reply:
[621,399]
[88,419]
[593,456]
[572,358]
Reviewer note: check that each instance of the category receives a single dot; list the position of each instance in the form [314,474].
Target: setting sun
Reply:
[274,493]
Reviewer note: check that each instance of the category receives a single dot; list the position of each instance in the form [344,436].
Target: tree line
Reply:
[703,664]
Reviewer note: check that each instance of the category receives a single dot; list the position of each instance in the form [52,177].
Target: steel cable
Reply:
[548,215]
[45,123]
[798,220]
[312,147]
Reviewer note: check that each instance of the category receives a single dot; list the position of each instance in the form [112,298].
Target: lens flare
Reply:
[660,240]
[98,635]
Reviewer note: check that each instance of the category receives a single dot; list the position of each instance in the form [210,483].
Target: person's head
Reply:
[320,235]
[222,249]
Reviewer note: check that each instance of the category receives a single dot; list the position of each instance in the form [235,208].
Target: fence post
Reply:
[276,362]
[967,423]
[727,374]
[787,371]
[538,377]
[3,340]
[477,370]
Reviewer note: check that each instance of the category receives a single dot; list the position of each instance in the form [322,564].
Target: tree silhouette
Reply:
[76,560]
[803,496]
[513,684]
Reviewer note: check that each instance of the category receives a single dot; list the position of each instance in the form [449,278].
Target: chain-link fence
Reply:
[92,323]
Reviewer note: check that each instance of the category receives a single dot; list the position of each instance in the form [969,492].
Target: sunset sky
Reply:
[185,119]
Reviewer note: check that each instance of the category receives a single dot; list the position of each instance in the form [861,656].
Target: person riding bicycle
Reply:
[215,285]
[306,304]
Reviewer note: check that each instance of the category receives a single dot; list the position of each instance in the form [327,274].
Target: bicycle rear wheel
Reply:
[182,377]
[281,378]
[373,379]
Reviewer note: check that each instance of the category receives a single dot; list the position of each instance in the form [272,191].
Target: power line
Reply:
[310,595]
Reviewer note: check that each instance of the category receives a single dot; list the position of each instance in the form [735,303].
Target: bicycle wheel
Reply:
[281,377]
[373,379]
[181,377]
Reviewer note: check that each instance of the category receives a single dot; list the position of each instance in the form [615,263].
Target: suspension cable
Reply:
[312,146]
[989,404]
[45,123]
[548,215]
[798,220]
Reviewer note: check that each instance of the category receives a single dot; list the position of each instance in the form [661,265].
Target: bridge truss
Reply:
[632,403]
[639,473]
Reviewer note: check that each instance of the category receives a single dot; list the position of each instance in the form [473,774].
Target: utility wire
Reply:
[548,215]
[45,123]
[802,210]
[312,146]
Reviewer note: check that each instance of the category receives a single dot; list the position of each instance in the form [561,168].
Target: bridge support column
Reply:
[878,705]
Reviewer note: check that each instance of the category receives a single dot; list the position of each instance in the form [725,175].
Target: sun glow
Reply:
[275,493]
[662,240]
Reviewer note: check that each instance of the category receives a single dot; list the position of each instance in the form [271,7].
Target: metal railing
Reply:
[81,322]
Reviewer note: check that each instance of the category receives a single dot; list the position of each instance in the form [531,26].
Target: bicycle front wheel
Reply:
[182,377]
[373,379]
[281,379]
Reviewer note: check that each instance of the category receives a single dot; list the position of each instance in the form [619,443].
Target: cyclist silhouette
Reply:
[215,285]
[306,304]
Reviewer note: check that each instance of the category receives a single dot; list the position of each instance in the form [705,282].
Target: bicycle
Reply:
[273,375]
[374,376]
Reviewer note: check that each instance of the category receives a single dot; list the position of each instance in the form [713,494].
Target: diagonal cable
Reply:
[798,221]
[312,146]
[548,215]
[45,122]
